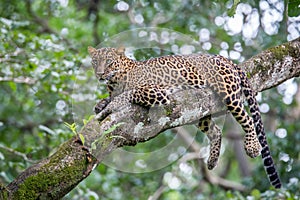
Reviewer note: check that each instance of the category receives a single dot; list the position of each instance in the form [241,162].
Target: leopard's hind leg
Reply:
[251,143]
[214,135]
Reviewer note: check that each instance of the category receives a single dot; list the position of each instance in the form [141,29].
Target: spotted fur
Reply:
[150,82]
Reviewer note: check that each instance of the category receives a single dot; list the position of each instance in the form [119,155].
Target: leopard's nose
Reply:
[99,75]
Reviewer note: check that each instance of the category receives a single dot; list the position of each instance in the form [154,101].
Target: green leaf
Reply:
[93,146]
[72,127]
[294,8]
[114,127]
[232,10]
[255,193]
[81,138]
[85,121]
[13,86]
[111,129]
[117,136]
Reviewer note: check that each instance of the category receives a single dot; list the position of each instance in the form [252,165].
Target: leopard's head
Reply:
[105,61]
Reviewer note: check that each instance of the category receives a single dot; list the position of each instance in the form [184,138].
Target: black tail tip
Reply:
[277,184]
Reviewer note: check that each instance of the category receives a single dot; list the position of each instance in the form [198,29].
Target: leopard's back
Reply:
[194,70]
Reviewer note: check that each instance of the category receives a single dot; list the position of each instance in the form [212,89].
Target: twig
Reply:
[157,193]
[212,179]
[240,157]
[17,153]
[45,25]
[21,79]
[189,156]
[93,9]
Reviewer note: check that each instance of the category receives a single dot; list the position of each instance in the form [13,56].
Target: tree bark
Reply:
[55,176]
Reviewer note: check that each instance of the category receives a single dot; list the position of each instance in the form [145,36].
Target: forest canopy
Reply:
[48,90]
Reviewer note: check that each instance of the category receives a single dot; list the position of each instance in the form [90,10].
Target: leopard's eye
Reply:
[108,61]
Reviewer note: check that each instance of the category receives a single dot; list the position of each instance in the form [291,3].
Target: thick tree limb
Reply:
[56,175]
[274,66]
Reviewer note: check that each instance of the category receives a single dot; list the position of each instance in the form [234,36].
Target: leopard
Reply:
[150,82]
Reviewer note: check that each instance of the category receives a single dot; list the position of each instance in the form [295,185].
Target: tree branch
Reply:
[56,175]
[274,65]
[209,177]
[16,153]
[25,80]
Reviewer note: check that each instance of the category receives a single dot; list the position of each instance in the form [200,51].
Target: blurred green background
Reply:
[43,57]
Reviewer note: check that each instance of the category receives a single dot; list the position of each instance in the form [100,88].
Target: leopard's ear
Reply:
[91,50]
[121,50]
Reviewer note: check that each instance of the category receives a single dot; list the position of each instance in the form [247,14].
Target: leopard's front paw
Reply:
[103,114]
[101,105]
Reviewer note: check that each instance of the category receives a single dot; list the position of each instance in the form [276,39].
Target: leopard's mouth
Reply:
[105,77]
[100,76]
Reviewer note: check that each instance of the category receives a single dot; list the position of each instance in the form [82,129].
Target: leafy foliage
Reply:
[45,75]
[293,8]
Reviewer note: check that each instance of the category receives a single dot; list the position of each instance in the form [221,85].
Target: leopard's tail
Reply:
[259,128]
